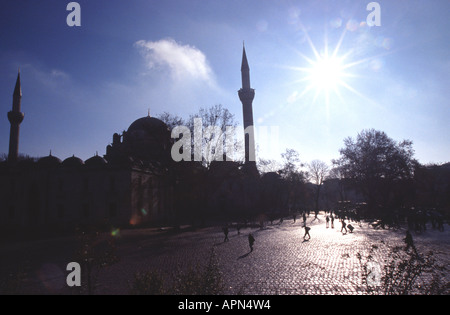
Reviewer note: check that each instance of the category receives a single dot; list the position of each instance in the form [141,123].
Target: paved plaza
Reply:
[281,263]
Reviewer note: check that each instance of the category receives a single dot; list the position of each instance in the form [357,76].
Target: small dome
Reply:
[148,124]
[73,161]
[95,161]
[49,161]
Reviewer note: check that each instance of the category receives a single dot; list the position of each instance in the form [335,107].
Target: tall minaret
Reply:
[15,117]
[246,95]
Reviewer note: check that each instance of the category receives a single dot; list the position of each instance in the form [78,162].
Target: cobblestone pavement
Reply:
[281,263]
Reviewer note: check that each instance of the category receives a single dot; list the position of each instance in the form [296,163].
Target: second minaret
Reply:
[246,95]
[15,117]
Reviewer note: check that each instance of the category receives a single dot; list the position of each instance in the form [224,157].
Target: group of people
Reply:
[417,220]
[329,218]
[251,238]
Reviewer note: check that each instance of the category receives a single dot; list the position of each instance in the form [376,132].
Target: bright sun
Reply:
[326,73]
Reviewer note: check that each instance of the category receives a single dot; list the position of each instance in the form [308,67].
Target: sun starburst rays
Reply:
[328,71]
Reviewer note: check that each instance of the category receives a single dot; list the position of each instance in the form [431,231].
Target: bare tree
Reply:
[294,177]
[291,164]
[216,139]
[213,134]
[317,172]
[268,165]
[337,174]
[171,120]
[378,166]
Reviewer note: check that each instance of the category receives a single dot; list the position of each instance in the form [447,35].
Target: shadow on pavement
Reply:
[243,256]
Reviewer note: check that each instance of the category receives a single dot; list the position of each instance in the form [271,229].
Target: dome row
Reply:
[147,126]
[72,161]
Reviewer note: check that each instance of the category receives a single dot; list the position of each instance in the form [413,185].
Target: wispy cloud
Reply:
[184,62]
[51,79]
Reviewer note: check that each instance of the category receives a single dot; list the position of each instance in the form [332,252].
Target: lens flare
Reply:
[115,233]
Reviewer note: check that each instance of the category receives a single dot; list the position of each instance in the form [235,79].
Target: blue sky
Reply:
[82,84]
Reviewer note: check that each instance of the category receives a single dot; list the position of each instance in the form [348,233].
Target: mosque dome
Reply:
[149,125]
[73,161]
[95,161]
[148,138]
[49,161]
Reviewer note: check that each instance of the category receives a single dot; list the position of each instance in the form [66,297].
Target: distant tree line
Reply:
[374,175]
[392,182]
[21,157]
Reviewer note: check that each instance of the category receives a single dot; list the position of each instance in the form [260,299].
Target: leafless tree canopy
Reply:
[213,142]
[317,171]
[376,164]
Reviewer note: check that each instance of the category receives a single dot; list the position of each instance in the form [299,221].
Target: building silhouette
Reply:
[120,189]
[135,183]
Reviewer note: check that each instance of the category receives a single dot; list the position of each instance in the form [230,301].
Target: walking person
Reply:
[251,241]
[409,241]
[332,221]
[344,226]
[225,232]
[307,228]
[328,222]
[440,222]
[304,219]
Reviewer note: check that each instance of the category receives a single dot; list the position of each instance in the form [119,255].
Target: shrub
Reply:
[404,273]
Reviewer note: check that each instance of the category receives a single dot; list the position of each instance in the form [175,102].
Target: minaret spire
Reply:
[15,117]
[245,70]
[17,95]
[246,95]
[17,88]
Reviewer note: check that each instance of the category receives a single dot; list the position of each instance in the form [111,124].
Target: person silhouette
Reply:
[225,232]
[328,221]
[304,219]
[440,223]
[332,221]
[344,226]
[251,241]
[307,233]
[409,241]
